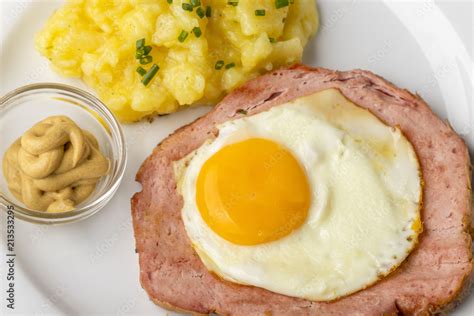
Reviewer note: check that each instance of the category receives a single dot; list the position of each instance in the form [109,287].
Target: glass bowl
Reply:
[22,108]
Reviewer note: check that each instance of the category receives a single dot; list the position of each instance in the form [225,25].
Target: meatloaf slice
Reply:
[431,278]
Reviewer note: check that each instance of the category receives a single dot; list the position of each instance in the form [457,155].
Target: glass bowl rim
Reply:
[89,101]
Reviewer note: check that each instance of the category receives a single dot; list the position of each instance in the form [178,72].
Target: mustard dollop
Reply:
[54,166]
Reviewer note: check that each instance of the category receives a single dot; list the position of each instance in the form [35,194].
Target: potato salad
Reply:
[147,57]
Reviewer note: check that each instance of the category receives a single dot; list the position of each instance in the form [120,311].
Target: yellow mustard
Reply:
[54,166]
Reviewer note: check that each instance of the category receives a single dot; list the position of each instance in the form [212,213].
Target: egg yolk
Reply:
[253,192]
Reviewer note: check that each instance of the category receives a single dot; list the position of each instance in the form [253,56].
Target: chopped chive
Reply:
[200,12]
[182,36]
[195,3]
[260,12]
[140,43]
[146,60]
[146,50]
[272,40]
[170,1]
[139,53]
[233,3]
[241,111]
[141,71]
[219,64]
[281,3]
[150,74]
[197,31]
[230,65]
[187,6]
[208,11]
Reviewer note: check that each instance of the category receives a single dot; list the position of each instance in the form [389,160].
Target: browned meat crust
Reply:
[431,277]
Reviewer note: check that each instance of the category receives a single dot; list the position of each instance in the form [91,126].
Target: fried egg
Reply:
[315,198]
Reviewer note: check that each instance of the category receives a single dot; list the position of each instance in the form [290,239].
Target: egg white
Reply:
[364,215]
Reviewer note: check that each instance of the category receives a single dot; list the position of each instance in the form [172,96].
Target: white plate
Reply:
[90,268]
